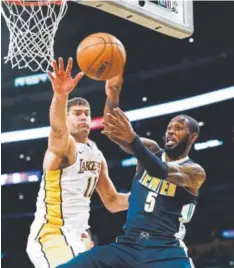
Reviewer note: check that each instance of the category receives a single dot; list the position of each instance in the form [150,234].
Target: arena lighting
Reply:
[20,177]
[31,80]
[128,162]
[228,233]
[38,133]
[207,144]
[133,115]
[181,105]
[3,254]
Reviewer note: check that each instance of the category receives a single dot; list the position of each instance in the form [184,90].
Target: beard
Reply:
[179,149]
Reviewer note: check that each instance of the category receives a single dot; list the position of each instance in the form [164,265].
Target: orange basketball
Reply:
[101,56]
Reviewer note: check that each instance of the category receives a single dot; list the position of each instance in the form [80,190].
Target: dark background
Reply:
[160,68]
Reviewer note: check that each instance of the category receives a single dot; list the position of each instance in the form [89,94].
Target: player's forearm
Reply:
[111,103]
[153,165]
[58,113]
[113,89]
[119,203]
[150,144]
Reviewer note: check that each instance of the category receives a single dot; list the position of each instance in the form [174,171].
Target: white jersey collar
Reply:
[186,158]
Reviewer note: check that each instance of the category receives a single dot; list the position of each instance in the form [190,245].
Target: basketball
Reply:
[101,56]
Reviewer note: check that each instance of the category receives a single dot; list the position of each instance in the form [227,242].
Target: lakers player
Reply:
[73,168]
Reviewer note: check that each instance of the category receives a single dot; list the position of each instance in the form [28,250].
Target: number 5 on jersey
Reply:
[150,202]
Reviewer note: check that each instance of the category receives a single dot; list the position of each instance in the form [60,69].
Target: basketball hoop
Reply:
[32,25]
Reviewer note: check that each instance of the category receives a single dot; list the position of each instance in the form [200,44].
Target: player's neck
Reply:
[81,139]
[169,159]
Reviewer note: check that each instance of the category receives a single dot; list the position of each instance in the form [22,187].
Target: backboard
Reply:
[169,17]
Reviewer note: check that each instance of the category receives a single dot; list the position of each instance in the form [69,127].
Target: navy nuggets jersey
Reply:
[159,207]
[154,229]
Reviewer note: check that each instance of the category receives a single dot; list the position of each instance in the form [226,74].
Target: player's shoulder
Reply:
[199,169]
[94,147]
[194,165]
[196,170]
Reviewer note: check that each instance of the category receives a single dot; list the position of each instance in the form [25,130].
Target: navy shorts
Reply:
[120,255]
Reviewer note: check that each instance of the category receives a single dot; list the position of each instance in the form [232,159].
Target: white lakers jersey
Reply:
[64,195]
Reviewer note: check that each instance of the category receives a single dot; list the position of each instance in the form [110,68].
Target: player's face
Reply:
[177,137]
[79,120]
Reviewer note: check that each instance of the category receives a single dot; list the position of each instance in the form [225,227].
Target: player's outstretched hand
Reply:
[118,126]
[62,81]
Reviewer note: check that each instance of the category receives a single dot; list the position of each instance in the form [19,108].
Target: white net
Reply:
[32,26]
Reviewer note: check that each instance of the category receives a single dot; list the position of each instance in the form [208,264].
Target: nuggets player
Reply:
[73,168]
[163,197]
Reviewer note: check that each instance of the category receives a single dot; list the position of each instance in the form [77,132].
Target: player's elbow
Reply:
[112,204]
[112,207]
[118,202]
[113,210]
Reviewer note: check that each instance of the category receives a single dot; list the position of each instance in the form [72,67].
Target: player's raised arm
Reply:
[62,83]
[113,89]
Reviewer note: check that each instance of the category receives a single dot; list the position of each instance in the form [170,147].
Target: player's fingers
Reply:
[61,65]
[108,126]
[120,113]
[119,116]
[115,122]
[107,133]
[110,135]
[78,77]
[110,118]
[111,129]
[55,66]
[69,66]
[50,76]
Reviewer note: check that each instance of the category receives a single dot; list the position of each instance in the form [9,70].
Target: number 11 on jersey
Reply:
[150,202]
[90,187]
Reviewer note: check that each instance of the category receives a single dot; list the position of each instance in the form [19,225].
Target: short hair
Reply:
[192,123]
[77,101]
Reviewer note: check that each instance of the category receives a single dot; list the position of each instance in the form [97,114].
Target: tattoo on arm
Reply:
[111,104]
[187,176]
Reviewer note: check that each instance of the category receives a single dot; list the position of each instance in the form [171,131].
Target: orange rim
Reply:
[36,3]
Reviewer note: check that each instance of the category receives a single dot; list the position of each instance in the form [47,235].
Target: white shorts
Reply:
[49,246]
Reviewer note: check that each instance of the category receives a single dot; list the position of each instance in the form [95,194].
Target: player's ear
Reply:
[193,137]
